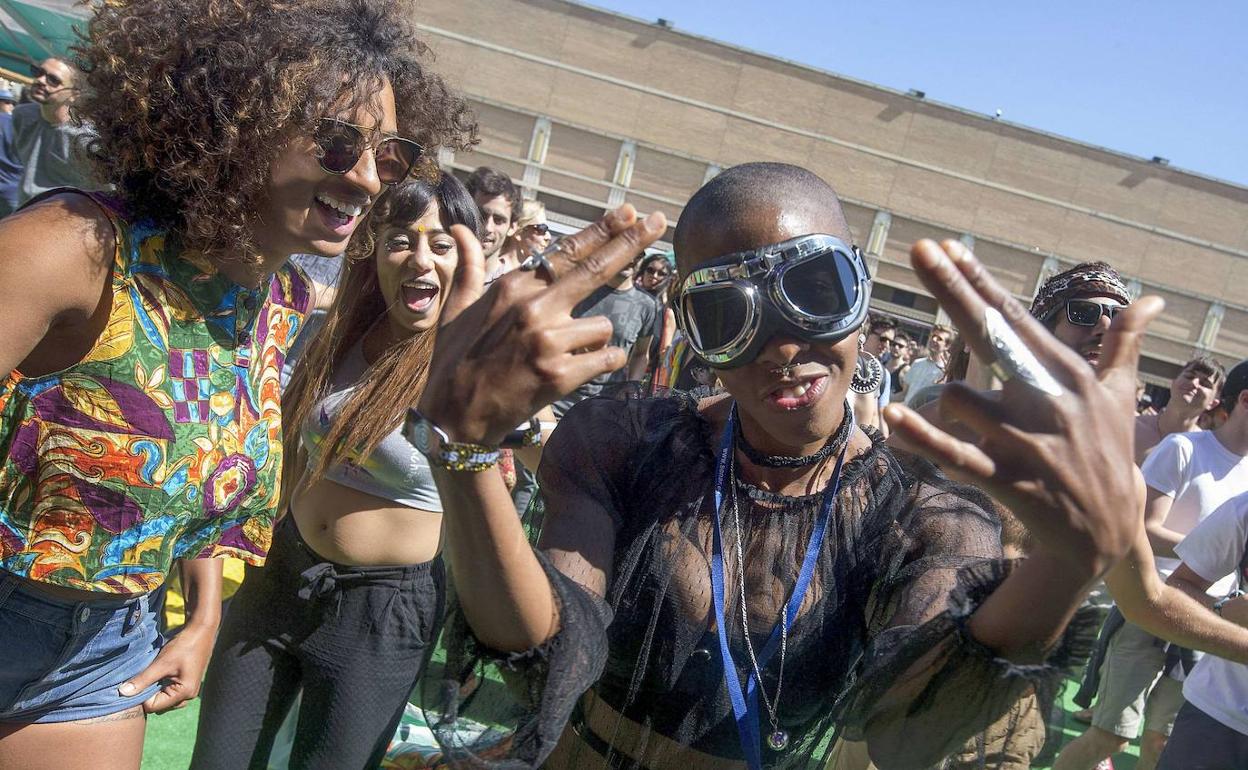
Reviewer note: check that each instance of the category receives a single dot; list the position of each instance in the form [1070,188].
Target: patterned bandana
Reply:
[1088,278]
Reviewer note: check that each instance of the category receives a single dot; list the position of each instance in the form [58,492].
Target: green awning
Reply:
[33,31]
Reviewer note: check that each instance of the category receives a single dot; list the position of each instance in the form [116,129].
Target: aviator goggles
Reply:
[340,145]
[814,287]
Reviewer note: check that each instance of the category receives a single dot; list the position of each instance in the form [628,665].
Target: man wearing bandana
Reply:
[1134,690]
[1078,305]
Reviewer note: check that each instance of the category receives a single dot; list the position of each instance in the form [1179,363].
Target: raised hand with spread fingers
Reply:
[505,353]
[1060,460]
[501,356]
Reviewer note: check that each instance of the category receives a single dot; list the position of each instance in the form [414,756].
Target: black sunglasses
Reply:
[540,229]
[37,72]
[660,272]
[1085,312]
[340,145]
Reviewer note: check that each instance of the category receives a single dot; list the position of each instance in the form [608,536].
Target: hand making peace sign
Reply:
[505,353]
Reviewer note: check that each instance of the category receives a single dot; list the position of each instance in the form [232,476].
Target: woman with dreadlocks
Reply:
[726,583]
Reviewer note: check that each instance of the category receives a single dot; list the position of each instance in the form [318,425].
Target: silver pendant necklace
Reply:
[777,739]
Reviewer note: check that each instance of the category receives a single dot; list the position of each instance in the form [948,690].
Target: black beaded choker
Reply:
[781,461]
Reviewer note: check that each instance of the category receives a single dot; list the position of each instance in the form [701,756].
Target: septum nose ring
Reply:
[785,371]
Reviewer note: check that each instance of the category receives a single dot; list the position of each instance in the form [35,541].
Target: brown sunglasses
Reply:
[341,144]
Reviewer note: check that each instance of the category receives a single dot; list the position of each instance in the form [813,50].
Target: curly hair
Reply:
[193,100]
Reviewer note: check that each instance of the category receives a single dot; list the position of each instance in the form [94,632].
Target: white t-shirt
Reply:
[1200,474]
[1213,549]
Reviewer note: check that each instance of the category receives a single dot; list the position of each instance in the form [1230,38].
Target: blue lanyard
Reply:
[745,707]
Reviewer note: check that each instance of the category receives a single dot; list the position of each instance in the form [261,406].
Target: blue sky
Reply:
[1145,77]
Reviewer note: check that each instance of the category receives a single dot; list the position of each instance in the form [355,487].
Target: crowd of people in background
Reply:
[42,145]
[588,500]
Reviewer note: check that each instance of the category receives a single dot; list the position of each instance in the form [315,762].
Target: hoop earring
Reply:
[868,374]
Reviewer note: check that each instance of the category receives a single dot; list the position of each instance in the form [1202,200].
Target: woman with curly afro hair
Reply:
[144,330]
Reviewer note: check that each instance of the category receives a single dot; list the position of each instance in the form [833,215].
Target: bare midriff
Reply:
[346,526]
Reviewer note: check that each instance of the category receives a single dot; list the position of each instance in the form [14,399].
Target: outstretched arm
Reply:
[1078,498]
[1164,610]
[1192,585]
[993,631]
[1177,610]
[501,356]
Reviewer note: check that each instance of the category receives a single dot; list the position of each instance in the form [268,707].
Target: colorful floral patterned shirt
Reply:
[165,441]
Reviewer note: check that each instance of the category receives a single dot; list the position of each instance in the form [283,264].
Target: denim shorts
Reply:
[63,661]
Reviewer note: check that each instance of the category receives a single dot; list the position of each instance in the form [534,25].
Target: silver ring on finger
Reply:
[1012,359]
[541,261]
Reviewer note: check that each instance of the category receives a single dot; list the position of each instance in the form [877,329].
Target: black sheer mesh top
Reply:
[878,651]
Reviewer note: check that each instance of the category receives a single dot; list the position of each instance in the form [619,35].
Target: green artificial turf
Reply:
[171,736]
[1072,729]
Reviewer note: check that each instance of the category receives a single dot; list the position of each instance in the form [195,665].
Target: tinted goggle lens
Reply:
[812,287]
[1082,312]
[715,316]
[822,286]
[341,144]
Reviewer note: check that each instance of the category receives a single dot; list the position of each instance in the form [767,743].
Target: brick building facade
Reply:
[589,109]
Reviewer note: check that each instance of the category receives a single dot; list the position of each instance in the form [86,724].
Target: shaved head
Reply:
[753,205]
[745,208]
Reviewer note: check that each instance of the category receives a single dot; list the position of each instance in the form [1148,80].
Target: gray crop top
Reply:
[394,471]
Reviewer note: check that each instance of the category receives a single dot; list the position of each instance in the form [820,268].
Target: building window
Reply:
[903,298]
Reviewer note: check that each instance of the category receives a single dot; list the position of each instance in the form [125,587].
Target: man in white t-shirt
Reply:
[1193,394]
[1189,475]
[1211,730]
[929,370]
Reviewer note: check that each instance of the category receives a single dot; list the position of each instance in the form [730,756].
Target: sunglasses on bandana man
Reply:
[341,144]
[1085,312]
[814,287]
